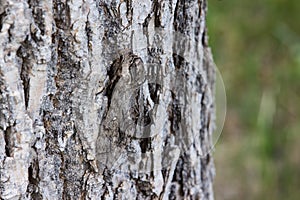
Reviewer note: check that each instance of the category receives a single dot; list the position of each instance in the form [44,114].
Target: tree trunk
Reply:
[105,99]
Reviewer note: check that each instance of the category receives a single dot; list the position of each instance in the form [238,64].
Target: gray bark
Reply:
[105,99]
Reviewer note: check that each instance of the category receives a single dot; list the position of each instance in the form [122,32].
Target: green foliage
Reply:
[256,46]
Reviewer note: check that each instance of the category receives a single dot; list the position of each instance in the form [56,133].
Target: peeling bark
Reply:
[105,100]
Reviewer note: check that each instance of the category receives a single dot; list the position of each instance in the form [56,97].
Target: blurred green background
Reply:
[256,46]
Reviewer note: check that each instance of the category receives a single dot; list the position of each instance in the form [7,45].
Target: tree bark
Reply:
[105,100]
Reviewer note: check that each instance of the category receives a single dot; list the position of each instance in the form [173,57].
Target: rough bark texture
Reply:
[105,99]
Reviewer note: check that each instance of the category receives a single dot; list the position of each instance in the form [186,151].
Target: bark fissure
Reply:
[8,141]
[26,68]
[33,179]
[114,74]
[2,16]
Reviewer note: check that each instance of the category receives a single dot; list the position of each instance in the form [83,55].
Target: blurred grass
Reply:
[256,46]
